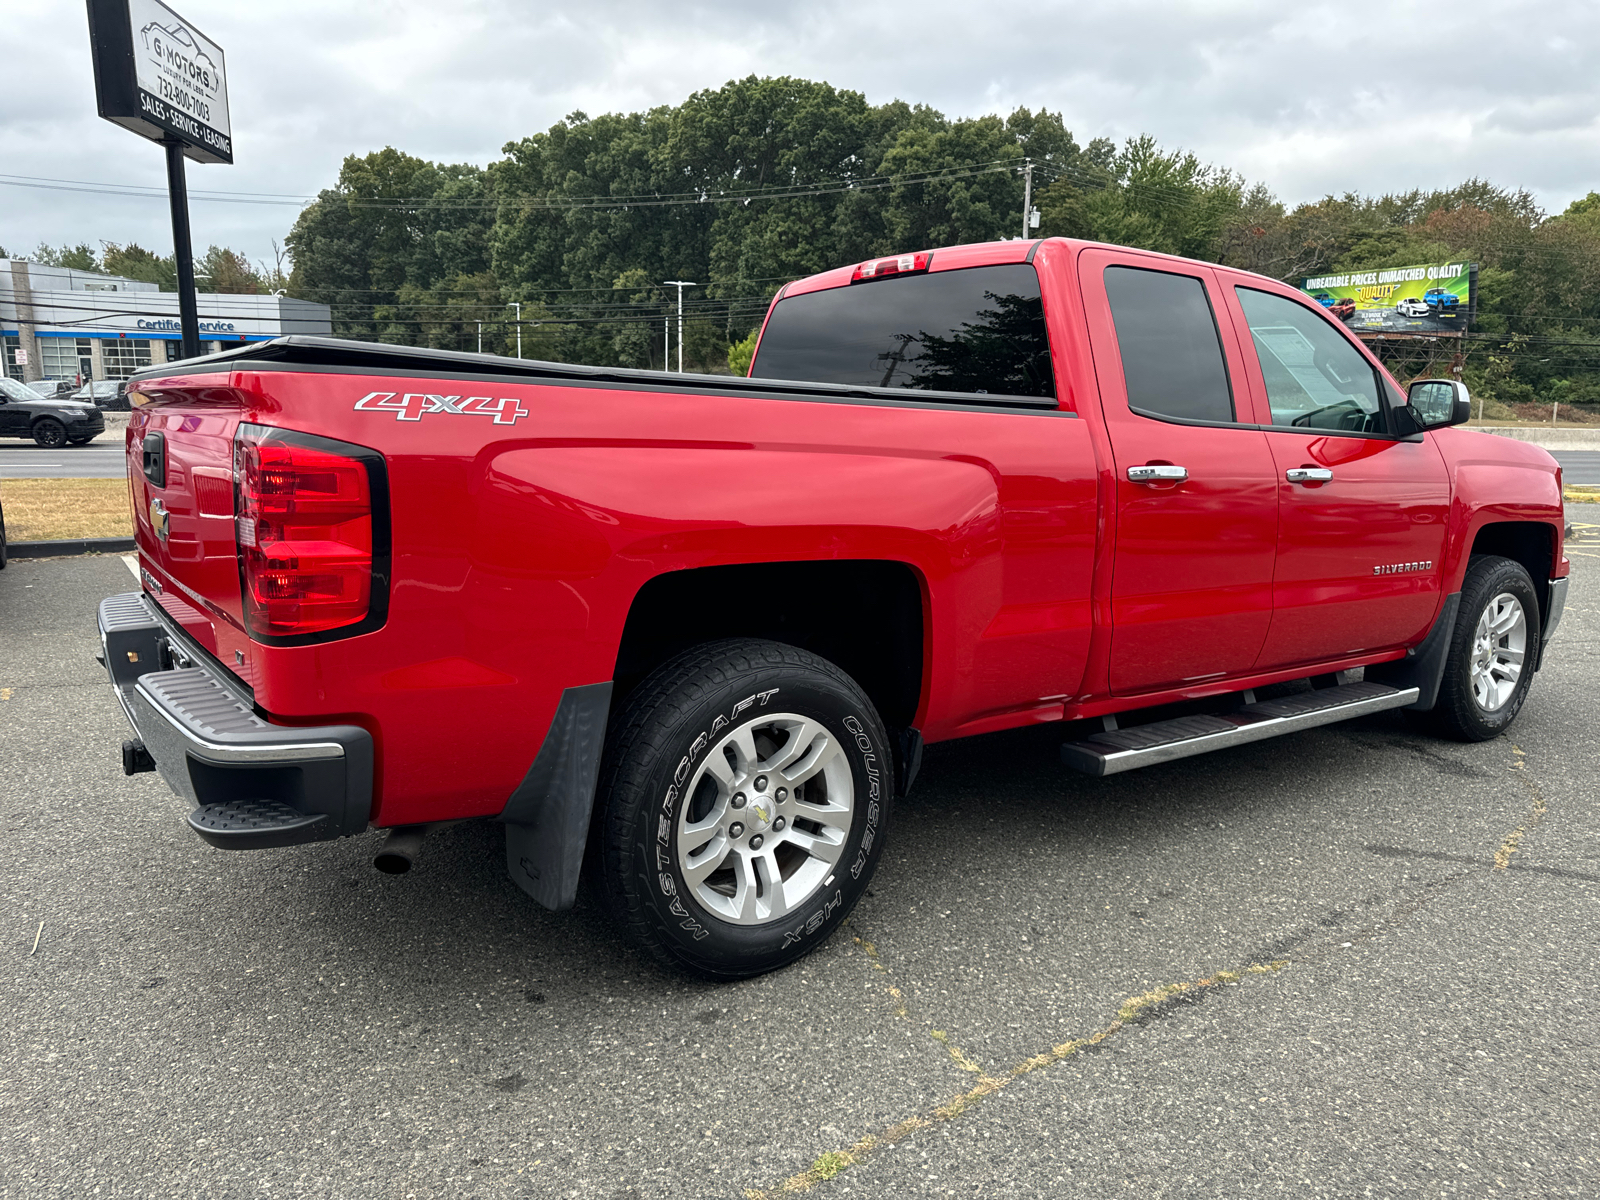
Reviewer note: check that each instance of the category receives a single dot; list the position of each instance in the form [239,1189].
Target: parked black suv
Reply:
[54,422]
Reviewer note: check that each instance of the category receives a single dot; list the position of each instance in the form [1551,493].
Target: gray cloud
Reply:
[1308,99]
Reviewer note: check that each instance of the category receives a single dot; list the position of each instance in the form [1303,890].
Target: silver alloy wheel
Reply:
[1498,648]
[766,818]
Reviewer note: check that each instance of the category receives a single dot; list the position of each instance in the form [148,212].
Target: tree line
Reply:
[743,187]
[217,270]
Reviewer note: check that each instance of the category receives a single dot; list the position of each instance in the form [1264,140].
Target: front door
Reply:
[1361,523]
[1197,505]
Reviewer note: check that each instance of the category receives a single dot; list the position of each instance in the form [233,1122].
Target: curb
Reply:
[69,546]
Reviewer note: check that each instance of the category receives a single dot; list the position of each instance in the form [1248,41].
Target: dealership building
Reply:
[58,323]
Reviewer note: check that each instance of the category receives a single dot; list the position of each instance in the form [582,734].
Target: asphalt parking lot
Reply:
[1351,962]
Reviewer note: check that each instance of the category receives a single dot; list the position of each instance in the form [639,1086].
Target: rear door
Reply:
[1197,502]
[1362,514]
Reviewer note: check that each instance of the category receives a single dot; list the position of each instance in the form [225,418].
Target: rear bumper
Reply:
[253,783]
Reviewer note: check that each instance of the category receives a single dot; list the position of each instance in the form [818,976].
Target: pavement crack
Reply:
[956,1055]
[1134,1011]
[1536,814]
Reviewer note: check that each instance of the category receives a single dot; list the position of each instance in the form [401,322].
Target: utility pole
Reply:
[680,284]
[480,337]
[518,306]
[1027,196]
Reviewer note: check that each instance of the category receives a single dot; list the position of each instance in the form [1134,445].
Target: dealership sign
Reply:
[159,76]
[1431,298]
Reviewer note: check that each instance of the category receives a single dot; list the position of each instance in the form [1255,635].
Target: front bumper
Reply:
[90,423]
[1552,618]
[255,784]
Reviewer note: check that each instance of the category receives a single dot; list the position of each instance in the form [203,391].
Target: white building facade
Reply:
[57,323]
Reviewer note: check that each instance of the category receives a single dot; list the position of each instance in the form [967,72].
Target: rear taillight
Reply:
[312,530]
[899,264]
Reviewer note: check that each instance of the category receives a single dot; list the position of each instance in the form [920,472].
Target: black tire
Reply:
[49,433]
[661,745]
[1458,713]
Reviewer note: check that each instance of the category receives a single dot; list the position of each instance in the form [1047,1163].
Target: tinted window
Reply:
[14,390]
[978,330]
[1171,354]
[1315,378]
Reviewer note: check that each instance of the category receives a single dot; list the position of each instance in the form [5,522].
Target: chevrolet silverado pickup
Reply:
[686,636]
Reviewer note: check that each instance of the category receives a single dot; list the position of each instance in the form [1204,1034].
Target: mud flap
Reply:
[547,817]
[1423,666]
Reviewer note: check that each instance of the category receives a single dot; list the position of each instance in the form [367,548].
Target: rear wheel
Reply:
[747,787]
[1489,667]
[49,432]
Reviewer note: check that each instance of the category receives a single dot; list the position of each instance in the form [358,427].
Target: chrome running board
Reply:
[1118,750]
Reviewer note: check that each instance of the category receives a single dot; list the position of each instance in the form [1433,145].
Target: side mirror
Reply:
[1435,403]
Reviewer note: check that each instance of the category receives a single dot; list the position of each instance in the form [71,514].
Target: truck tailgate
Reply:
[180,480]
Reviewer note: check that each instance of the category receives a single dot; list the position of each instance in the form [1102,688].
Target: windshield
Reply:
[15,390]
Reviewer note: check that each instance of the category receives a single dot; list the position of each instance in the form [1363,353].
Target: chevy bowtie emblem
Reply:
[160,518]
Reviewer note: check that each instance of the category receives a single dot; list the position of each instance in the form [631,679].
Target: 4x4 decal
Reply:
[409,406]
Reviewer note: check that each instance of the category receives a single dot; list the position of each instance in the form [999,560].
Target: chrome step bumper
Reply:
[1118,750]
[253,783]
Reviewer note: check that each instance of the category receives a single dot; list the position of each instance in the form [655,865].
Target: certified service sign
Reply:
[158,75]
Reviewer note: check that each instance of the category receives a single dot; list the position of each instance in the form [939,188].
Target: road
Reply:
[1356,961]
[1580,466]
[100,459]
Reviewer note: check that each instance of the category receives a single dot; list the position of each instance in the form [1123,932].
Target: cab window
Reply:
[1171,352]
[1315,379]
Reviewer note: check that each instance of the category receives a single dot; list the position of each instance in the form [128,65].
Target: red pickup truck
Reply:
[687,635]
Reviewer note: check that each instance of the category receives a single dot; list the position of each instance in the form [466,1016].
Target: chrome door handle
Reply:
[1308,475]
[1157,474]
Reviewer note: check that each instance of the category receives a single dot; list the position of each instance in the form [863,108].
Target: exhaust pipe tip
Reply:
[400,849]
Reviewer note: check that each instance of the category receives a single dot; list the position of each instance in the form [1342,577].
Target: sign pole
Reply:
[182,252]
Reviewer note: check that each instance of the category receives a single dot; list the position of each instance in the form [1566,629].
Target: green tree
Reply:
[79,258]
[742,351]
[133,261]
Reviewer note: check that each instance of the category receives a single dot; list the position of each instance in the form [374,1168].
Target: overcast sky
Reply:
[1308,98]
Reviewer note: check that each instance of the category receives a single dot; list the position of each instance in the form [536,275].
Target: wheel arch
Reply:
[866,616]
[1534,544]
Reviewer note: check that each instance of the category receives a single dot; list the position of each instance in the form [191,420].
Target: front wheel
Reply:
[1489,667]
[49,433]
[747,788]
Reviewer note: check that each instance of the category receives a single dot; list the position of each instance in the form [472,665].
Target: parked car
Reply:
[1442,303]
[1344,308]
[1323,298]
[56,422]
[119,401]
[49,388]
[99,391]
[1413,306]
[694,631]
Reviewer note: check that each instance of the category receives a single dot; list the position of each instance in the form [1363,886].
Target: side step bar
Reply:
[1118,750]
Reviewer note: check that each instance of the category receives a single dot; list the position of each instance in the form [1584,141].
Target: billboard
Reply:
[1432,298]
[159,76]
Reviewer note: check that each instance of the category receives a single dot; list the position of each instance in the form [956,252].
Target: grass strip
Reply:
[43,510]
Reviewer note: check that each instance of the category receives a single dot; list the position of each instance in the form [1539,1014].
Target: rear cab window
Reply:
[978,331]
[1171,349]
